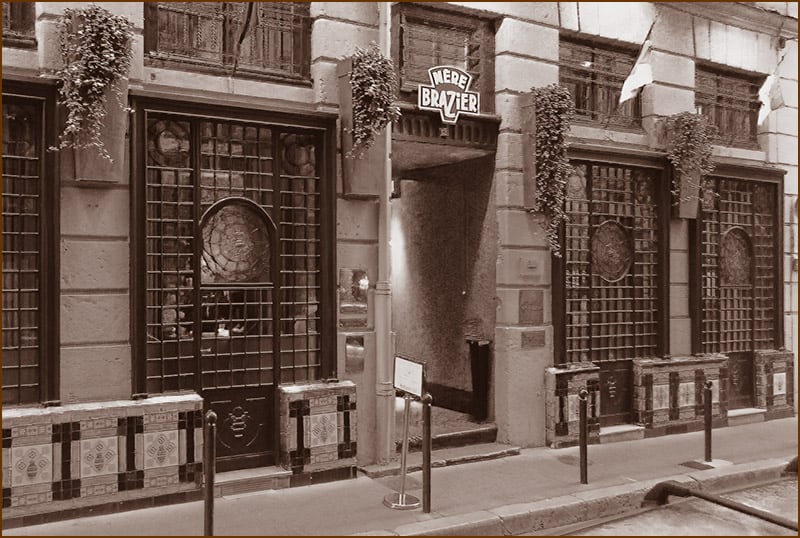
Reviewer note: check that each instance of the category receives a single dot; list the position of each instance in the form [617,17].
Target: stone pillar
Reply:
[95,250]
[526,56]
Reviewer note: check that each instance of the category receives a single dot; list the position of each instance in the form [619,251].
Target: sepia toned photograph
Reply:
[399,268]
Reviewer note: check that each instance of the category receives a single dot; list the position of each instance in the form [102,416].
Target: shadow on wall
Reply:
[444,246]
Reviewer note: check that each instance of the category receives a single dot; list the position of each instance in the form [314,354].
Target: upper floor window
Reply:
[731,102]
[29,329]
[594,75]
[426,38]
[262,38]
[19,28]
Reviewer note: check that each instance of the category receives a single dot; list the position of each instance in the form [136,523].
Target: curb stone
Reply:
[584,506]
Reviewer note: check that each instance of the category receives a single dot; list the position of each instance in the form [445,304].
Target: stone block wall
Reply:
[668,393]
[774,372]
[562,385]
[318,429]
[62,460]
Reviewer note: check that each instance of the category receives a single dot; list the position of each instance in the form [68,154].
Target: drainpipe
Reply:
[384,407]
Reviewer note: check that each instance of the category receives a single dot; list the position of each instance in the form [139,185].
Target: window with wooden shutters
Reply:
[426,38]
[594,75]
[19,24]
[29,331]
[731,102]
[276,37]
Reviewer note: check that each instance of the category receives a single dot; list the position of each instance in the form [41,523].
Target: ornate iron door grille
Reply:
[612,305]
[22,222]
[233,269]
[738,257]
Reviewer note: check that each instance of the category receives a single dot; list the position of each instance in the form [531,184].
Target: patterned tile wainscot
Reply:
[774,372]
[668,393]
[57,459]
[562,384]
[318,427]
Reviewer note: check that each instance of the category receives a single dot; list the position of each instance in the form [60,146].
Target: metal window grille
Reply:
[731,102]
[594,76]
[277,40]
[611,262]
[19,23]
[738,266]
[22,256]
[244,324]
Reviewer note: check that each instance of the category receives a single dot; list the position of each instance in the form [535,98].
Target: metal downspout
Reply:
[384,406]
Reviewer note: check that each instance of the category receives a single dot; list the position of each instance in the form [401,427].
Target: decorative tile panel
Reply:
[99,456]
[161,449]
[95,453]
[322,429]
[686,395]
[779,383]
[31,465]
[660,396]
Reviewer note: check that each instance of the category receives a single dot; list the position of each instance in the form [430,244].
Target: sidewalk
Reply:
[537,489]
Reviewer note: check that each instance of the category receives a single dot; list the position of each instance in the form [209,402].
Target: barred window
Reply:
[234,255]
[426,38]
[731,102]
[19,24]
[206,36]
[28,274]
[594,76]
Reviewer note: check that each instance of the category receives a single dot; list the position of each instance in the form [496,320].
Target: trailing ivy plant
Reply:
[373,81]
[96,55]
[689,138]
[554,109]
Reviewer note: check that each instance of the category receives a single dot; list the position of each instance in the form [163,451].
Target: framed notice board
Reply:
[409,375]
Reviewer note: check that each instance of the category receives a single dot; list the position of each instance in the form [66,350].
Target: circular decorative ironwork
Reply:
[298,155]
[612,251]
[168,143]
[236,246]
[736,258]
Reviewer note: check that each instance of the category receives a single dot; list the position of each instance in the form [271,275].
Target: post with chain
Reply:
[707,417]
[583,436]
[209,468]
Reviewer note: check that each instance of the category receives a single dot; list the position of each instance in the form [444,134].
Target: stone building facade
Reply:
[231,258]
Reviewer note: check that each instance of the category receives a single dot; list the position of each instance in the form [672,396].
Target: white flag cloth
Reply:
[770,97]
[640,75]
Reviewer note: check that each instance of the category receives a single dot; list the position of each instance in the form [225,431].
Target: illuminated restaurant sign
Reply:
[448,93]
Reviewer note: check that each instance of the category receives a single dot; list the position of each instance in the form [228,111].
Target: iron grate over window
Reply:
[233,255]
[22,256]
[611,263]
[205,35]
[19,24]
[731,102]
[738,264]
[594,76]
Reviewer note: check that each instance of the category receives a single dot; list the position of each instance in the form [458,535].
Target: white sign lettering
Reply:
[408,375]
[449,93]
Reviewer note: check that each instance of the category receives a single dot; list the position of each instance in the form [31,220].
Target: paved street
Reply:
[489,497]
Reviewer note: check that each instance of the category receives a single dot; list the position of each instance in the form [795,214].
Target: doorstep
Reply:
[443,458]
[621,432]
[249,480]
[747,415]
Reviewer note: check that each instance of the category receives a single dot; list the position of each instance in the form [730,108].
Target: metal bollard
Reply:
[209,468]
[427,402]
[583,436]
[707,417]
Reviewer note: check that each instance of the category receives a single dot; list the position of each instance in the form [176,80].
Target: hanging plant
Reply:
[554,108]
[96,55]
[689,138]
[373,81]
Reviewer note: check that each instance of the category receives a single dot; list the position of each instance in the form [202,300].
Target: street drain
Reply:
[569,459]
